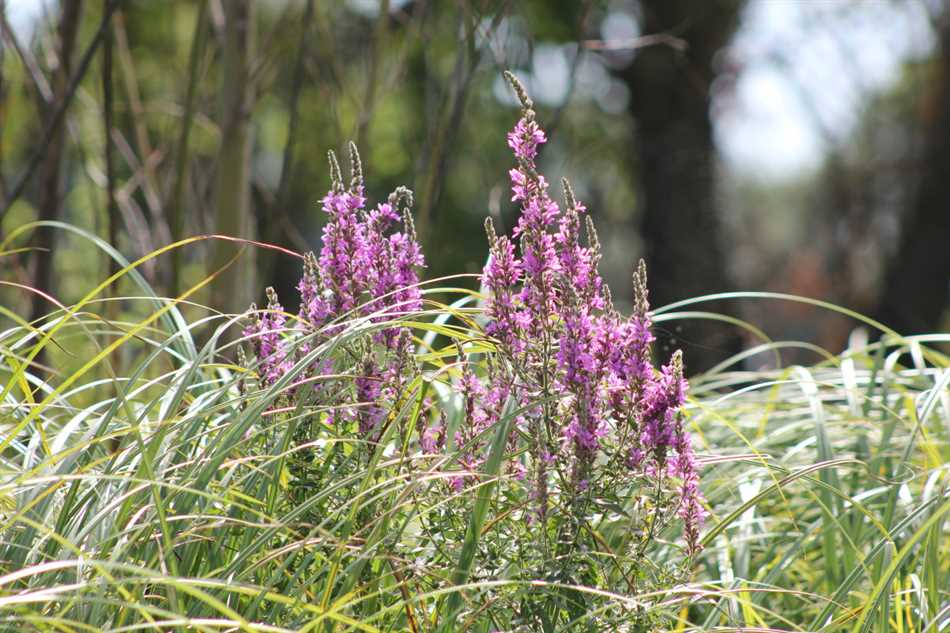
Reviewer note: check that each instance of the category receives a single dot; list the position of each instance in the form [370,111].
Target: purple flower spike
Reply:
[266,334]
[525,139]
[343,254]
[664,397]
[500,277]
[369,387]
[551,316]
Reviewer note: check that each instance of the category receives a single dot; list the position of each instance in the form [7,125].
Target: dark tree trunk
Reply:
[917,284]
[50,191]
[670,96]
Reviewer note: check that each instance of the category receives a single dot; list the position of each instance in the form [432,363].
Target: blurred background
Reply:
[774,145]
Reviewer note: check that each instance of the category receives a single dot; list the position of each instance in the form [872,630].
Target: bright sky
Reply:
[22,13]
[806,69]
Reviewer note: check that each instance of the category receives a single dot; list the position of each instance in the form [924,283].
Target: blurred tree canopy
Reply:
[145,122]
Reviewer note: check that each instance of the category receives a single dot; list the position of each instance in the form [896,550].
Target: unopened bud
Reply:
[592,238]
[356,167]
[569,200]
[401,193]
[641,303]
[272,302]
[527,106]
[409,224]
[676,365]
[336,176]
[490,231]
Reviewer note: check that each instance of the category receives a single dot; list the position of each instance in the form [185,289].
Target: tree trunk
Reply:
[917,284]
[235,288]
[50,189]
[670,96]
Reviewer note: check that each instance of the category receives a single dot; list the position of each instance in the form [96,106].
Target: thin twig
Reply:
[377,45]
[453,107]
[233,212]
[181,155]
[287,161]
[107,116]
[49,203]
[150,184]
[268,51]
[634,43]
[40,84]
[572,75]
[277,206]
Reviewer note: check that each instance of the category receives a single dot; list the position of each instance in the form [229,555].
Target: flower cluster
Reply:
[364,262]
[367,268]
[600,463]
[552,316]
[276,358]
[483,405]
[595,413]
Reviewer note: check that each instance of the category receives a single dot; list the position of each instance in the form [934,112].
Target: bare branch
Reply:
[643,41]
[57,118]
[108,112]
[37,77]
[181,155]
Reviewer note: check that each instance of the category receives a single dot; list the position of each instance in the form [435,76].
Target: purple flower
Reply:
[551,315]
[574,355]
[392,263]
[368,263]
[369,387]
[407,259]
[365,262]
[500,277]
[265,331]
[583,376]
[683,466]
[475,420]
[342,258]
[432,438]
[525,139]
[663,398]
[483,404]
[315,306]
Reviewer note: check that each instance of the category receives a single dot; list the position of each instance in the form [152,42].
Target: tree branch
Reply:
[56,120]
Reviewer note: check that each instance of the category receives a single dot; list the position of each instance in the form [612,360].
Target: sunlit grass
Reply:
[149,483]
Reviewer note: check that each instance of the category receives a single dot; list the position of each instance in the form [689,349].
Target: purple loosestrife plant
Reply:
[343,255]
[367,268]
[369,260]
[483,406]
[601,466]
[354,362]
[608,426]
[391,262]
